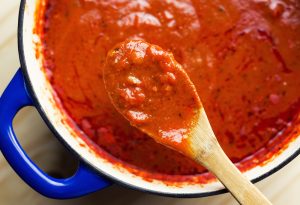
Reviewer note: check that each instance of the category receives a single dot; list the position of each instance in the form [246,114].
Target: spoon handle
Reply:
[206,150]
[240,187]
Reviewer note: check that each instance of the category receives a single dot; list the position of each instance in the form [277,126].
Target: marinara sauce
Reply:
[142,81]
[242,56]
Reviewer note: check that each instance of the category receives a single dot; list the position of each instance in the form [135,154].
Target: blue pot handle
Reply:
[84,181]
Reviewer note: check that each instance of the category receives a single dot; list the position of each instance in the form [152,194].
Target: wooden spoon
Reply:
[150,89]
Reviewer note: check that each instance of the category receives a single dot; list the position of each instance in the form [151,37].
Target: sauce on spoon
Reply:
[151,89]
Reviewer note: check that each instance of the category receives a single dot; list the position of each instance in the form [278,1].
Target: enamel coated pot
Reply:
[30,87]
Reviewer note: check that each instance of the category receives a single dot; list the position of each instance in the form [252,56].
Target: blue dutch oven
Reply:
[30,87]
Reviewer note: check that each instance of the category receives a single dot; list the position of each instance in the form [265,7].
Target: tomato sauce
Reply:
[242,56]
[142,81]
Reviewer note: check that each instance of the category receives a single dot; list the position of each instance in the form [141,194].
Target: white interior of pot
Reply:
[56,117]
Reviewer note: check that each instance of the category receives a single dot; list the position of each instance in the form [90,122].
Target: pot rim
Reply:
[44,116]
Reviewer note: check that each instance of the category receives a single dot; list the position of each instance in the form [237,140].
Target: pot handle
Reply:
[83,182]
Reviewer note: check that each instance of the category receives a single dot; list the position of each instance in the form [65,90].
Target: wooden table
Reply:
[281,188]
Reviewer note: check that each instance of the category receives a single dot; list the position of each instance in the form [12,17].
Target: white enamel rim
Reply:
[44,101]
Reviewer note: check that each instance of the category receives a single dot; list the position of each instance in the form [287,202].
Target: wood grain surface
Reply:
[282,187]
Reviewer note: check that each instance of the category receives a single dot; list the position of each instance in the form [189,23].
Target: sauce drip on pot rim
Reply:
[243,58]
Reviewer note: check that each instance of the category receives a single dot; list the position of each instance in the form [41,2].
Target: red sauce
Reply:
[149,88]
[242,56]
